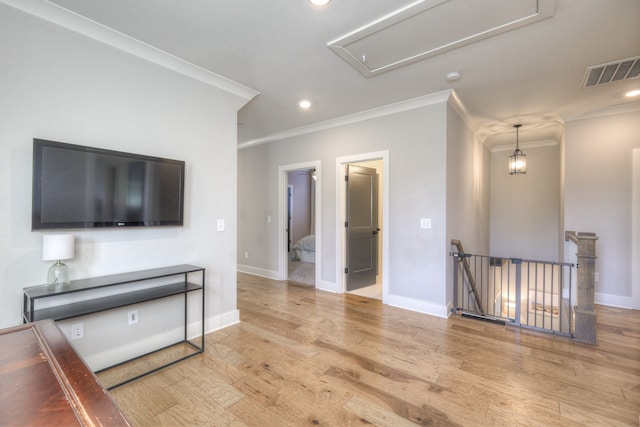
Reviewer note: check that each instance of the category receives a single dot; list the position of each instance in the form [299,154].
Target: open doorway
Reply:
[301,235]
[299,230]
[363,219]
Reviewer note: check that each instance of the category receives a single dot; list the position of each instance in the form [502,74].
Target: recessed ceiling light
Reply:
[632,93]
[319,2]
[304,104]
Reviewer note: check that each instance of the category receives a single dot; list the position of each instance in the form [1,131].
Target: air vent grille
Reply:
[612,72]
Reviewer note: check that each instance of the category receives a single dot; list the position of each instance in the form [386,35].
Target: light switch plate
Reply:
[221,225]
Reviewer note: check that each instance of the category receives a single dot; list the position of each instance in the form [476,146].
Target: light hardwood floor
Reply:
[305,357]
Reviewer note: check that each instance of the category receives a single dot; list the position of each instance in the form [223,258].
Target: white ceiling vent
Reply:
[426,28]
[612,72]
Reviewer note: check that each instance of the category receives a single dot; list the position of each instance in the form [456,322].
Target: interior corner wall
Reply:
[599,174]
[526,209]
[62,86]
[416,142]
[468,190]
[254,232]
[468,186]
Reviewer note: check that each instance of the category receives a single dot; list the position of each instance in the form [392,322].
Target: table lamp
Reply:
[58,247]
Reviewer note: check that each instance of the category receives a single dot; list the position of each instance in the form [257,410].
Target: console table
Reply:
[96,294]
[44,382]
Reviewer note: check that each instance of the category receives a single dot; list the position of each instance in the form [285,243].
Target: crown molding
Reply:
[373,113]
[79,24]
[629,107]
[525,145]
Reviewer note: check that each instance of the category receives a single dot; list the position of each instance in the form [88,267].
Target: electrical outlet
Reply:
[77,331]
[425,223]
[246,255]
[133,317]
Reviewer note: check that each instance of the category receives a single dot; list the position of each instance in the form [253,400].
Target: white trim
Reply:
[255,271]
[327,287]
[420,306]
[221,321]
[79,24]
[373,113]
[340,46]
[612,110]
[282,216]
[135,348]
[635,230]
[525,145]
[614,300]
[341,212]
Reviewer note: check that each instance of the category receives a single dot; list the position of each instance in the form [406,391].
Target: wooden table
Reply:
[43,381]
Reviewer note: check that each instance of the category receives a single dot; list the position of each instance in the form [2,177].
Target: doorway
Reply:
[361,228]
[301,226]
[299,223]
[362,257]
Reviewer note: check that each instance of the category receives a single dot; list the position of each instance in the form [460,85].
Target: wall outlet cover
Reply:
[425,223]
[77,331]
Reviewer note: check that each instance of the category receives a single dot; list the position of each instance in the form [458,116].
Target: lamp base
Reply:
[58,277]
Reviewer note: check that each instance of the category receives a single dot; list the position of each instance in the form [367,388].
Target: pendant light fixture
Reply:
[518,160]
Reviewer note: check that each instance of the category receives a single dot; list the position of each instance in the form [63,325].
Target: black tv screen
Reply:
[84,187]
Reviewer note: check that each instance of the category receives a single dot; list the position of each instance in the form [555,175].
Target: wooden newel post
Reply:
[585,313]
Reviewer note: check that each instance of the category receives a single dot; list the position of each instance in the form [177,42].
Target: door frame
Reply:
[341,208]
[283,187]
[635,230]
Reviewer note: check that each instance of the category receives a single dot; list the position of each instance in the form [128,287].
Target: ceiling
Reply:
[532,74]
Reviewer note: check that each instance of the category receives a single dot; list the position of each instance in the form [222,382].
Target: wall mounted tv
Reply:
[83,187]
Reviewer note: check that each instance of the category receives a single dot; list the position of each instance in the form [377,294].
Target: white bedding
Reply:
[304,249]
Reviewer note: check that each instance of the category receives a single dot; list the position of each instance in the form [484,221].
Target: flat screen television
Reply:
[84,187]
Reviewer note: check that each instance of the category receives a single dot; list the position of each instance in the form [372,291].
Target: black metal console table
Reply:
[121,290]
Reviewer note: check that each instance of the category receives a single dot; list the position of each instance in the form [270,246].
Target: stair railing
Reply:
[531,294]
[470,279]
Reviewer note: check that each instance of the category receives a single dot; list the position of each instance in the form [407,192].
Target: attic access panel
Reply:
[426,28]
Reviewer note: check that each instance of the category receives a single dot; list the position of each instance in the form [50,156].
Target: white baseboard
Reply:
[269,274]
[417,305]
[130,349]
[615,301]
[328,287]
[221,321]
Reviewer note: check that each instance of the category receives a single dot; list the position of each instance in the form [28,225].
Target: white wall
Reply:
[468,190]
[525,209]
[62,86]
[253,208]
[598,196]
[417,144]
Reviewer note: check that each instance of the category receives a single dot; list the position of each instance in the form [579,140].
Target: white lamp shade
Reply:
[58,246]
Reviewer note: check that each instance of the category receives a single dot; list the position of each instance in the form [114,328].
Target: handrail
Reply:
[467,269]
[533,294]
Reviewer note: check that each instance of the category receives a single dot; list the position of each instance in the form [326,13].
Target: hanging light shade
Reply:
[518,160]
